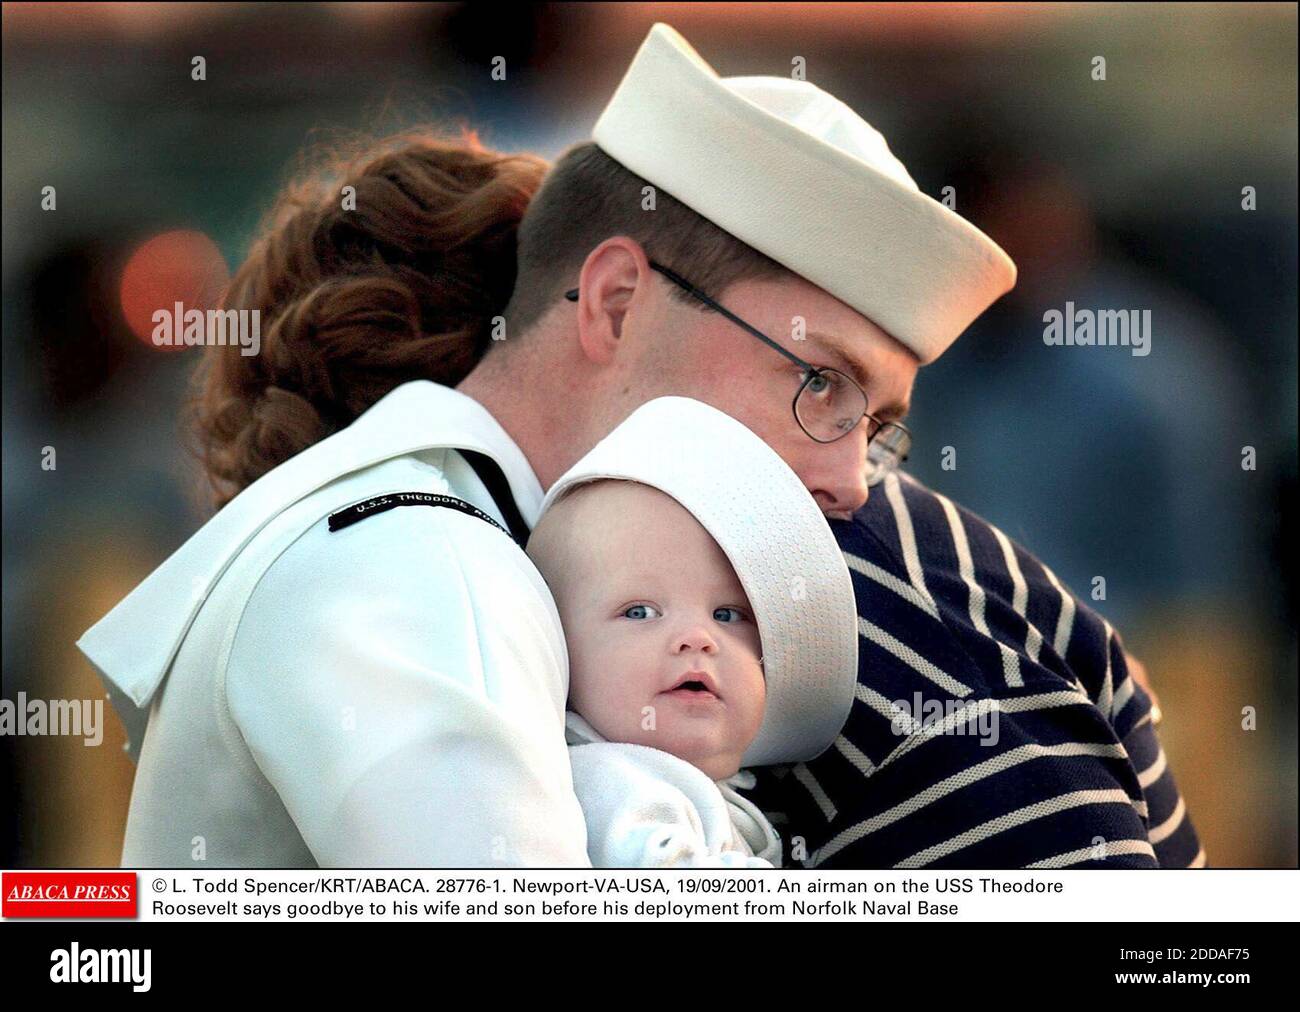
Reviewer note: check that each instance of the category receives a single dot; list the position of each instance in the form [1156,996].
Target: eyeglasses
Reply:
[828,404]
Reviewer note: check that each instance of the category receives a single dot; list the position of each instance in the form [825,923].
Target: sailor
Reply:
[354,663]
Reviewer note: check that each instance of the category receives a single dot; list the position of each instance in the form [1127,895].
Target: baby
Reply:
[664,653]
[676,550]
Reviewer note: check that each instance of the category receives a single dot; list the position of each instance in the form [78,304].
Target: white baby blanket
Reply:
[646,808]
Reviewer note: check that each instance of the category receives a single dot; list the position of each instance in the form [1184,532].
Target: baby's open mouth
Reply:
[695,685]
[691,696]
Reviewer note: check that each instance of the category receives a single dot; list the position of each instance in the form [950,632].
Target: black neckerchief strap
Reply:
[494,480]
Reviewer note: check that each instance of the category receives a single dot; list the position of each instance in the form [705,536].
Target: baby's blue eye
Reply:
[639,608]
[740,615]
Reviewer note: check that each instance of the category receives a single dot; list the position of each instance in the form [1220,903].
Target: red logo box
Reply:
[68,894]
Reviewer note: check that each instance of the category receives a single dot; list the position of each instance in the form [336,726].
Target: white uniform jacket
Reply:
[387,689]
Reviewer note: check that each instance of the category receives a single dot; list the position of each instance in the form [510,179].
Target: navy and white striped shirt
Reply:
[1059,765]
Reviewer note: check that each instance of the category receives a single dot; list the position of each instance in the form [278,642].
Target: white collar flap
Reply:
[134,644]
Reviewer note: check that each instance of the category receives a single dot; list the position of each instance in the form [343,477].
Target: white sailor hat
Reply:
[779,544]
[799,176]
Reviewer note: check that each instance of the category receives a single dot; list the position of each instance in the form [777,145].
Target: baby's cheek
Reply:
[584,682]
[600,697]
[759,697]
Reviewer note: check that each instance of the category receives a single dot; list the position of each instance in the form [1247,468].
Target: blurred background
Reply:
[1122,193]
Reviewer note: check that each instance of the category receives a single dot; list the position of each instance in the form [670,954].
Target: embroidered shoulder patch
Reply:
[383,503]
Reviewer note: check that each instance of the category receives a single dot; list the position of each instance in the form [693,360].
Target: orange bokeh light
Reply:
[182,266]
